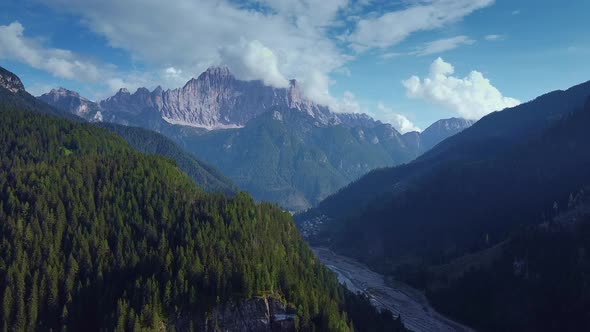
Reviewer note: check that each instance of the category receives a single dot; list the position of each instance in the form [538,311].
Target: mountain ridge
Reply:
[225,108]
[143,140]
[464,190]
[122,240]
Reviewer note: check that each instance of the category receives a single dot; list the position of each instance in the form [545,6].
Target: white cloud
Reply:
[193,35]
[516,12]
[472,97]
[172,72]
[69,65]
[400,122]
[293,38]
[443,45]
[61,63]
[494,37]
[393,27]
[347,104]
[251,61]
[270,40]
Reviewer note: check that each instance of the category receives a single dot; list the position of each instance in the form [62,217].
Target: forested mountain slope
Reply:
[468,192]
[273,142]
[96,235]
[538,281]
[146,141]
[13,93]
[282,156]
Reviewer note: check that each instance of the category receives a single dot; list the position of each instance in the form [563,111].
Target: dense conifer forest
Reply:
[95,235]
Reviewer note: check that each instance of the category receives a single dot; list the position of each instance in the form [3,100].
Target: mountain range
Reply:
[13,93]
[461,202]
[500,172]
[100,236]
[272,142]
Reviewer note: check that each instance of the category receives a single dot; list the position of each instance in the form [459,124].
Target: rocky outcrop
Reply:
[10,81]
[254,315]
[214,100]
[287,149]
[71,101]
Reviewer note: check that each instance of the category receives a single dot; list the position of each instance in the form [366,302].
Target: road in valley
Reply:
[417,314]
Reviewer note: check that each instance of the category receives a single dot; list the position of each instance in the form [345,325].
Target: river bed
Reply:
[401,299]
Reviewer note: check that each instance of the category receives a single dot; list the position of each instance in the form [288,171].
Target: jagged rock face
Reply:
[214,100]
[287,149]
[10,81]
[69,100]
[127,103]
[253,315]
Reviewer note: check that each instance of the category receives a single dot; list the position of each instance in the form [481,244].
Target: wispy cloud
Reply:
[494,37]
[443,45]
[391,28]
[287,39]
[61,63]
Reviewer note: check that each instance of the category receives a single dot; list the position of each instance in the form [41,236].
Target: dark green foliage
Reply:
[367,318]
[24,100]
[151,142]
[95,235]
[284,157]
[541,282]
[468,193]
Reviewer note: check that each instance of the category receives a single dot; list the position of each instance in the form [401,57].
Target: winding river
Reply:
[400,299]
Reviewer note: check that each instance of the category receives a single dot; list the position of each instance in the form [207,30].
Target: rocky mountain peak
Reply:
[158,90]
[62,92]
[451,124]
[142,91]
[442,129]
[217,71]
[213,76]
[10,81]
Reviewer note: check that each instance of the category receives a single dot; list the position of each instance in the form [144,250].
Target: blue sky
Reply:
[408,62]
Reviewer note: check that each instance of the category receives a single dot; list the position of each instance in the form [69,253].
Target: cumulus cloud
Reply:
[61,63]
[270,40]
[393,27]
[289,37]
[400,122]
[293,38]
[251,61]
[443,45]
[472,97]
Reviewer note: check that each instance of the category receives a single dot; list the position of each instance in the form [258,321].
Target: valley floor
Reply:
[417,314]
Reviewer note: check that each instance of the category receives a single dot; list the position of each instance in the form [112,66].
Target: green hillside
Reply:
[283,157]
[95,235]
[147,141]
